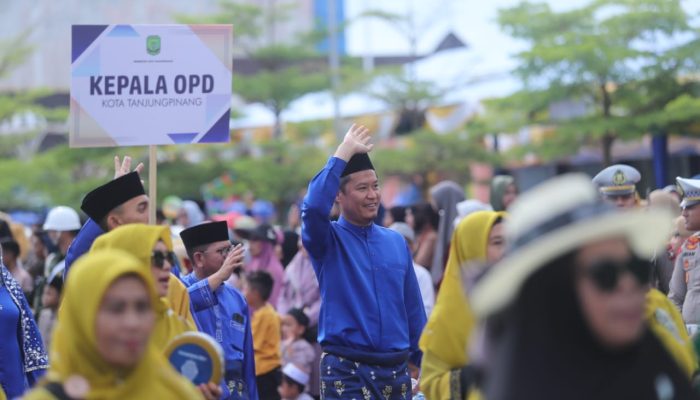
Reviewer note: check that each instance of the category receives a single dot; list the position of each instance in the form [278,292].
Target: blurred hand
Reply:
[124,167]
[356,141]
[210,391]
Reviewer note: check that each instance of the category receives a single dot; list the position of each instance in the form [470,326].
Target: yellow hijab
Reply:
[74,344]
[449,328]
[139,240]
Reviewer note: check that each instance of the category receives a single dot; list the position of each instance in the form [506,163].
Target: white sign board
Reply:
[134,85]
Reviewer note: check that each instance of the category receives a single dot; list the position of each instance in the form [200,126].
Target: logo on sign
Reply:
[153,45]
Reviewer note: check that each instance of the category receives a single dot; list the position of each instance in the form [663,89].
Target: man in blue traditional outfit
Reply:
[118,202]
[219,309]
[371,309]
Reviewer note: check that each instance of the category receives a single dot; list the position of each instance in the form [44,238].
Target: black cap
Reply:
[262,232]
[358,162]
[98,203]
[204,233]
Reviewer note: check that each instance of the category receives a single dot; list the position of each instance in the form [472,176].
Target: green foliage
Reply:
[277,88]
[244,18]
[61,176]
[288,69]
[405,93]
[425,152]
[14,51]
[280,174]
[628,59]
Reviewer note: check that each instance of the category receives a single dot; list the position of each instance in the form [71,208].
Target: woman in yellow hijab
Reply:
[139,240]
[101,347]
[477,238]
[152,246]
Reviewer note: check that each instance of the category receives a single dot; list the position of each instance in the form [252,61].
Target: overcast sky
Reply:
[474,21]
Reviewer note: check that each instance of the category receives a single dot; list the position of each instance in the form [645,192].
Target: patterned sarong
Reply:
[345,379]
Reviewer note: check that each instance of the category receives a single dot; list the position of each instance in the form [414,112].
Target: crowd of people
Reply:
[576,289]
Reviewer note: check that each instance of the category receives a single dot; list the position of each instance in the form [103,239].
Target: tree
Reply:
[403,91]
[288,67]
[626,59]
[409,96]
[14,51]
[426,153]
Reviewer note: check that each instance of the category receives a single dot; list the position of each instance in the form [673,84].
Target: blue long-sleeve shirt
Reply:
[13,379]
[23,359]
[82,243]
[223,314]
[370,299]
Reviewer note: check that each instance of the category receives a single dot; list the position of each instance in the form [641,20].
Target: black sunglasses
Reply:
[606,273]
[158,258]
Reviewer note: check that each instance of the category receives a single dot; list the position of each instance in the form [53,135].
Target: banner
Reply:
[134,85]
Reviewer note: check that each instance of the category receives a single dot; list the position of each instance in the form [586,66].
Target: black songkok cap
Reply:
[205,233]
[358,162]
[98,203]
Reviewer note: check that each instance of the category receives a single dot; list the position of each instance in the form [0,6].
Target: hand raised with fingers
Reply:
[356,141]
[233,260]
[123,167]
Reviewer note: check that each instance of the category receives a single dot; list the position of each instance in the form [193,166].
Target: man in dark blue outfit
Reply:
[371,310]
[219,309]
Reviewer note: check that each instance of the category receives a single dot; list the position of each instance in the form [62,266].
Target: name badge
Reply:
[238,322]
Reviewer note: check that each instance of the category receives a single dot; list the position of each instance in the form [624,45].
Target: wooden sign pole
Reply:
[152,183]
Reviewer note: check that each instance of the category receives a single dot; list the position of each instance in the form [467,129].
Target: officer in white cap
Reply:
[617,185]
[684,288]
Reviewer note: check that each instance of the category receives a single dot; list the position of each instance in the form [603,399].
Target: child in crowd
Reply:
[50,300]
[265,324]
[294,381]
[295,347]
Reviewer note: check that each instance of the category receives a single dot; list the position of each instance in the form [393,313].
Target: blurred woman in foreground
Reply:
[101,347]
[565,308]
